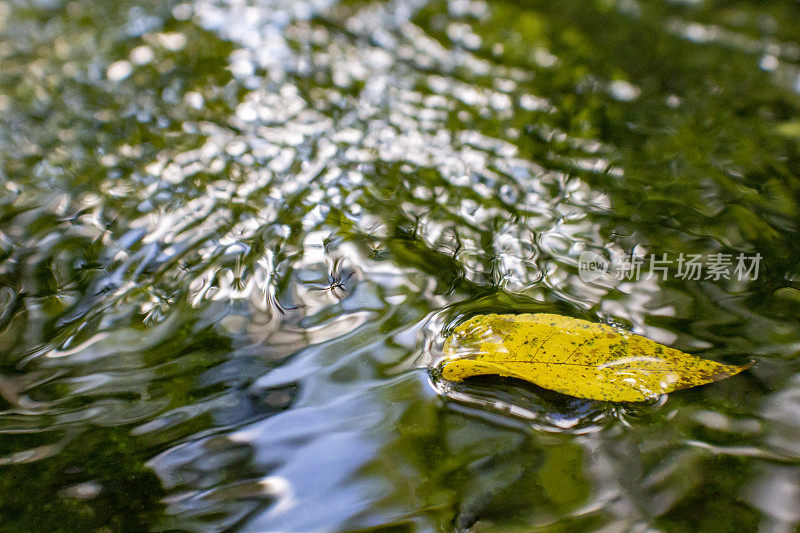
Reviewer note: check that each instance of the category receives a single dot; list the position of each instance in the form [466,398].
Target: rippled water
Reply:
[235,233]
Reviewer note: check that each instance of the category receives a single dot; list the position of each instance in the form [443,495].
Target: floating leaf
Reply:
[574,357]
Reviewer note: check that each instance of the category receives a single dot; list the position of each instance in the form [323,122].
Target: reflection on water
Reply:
[235,233]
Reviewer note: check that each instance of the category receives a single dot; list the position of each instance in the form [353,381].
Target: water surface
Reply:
[234,234]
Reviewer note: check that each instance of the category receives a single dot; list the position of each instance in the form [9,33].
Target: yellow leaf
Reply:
[574,357]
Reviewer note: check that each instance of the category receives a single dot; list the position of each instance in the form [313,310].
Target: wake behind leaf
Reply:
[574,357]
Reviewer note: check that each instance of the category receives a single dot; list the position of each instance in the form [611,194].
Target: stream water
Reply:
[235,233]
